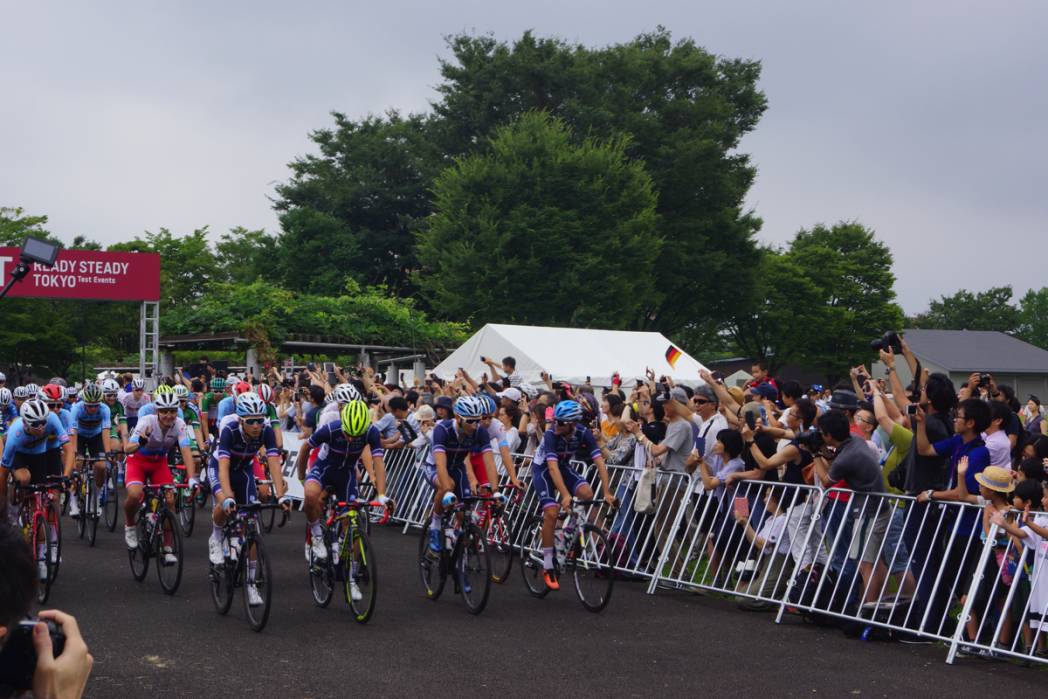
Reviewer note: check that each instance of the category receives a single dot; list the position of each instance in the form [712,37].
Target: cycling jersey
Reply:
[226,407]
[132,404]
[20,441]
[117,418]
[241,450]
[271,412]
[67,422]
[88,424]
[447,439]
[337,451]
[158,442]
[9,413]
[150,409]
[561,449]
[209,405]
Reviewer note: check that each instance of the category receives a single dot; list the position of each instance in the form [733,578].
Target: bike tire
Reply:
[221,582]
[92,512]
[40,533]
[259,615]
[321,572]
[500,544]
[139,555]
[81,519]
[473,566]
[54,522]
[531,558]
[432,566]
[186,512]
[267,518]
[169,574]
[588,564]
[111,509]
[359,566]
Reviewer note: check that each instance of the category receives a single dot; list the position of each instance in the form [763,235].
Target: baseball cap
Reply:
[764,390]
[679,394]
[513,394]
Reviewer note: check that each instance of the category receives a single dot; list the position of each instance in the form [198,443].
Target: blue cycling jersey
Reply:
[20,441]
[240,449]
[447,439]
[90,424]
[226,406]
[67,422]
[339,451]
[150,409]
[561,450]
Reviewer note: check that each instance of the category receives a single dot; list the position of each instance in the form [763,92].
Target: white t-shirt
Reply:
[775,534]
[708,429]
[1000,448]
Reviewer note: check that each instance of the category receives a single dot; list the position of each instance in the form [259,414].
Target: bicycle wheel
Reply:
[43,560]
[186,511]
[222,578]
[321,572]
[169,572]
[359,568]
[139,555]
[258,614]
[500,544]
[431,566]
[92,511]
[473,567]
[81,496]
[54,544]
[531,557]
[587,562]
[110,501]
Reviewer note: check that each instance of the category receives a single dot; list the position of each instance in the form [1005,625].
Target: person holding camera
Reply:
[46,657]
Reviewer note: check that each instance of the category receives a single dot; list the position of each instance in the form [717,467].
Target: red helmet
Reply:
[242,387]
[54,393]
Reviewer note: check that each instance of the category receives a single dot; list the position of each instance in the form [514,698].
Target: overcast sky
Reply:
[926,120]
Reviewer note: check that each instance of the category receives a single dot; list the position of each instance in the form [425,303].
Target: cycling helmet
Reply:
[138,384]
[567,411]
[489,404]
[20,392]
[52,392]
[31,389]
[92,394]
[163,388]
[58,380]
[265,392]
[181,391]
[110,387]
[34,411]
[249,405]
[241,388]
[469,407]
[346,392]
[356,418]
[165,401]
[5,396]
[218,384]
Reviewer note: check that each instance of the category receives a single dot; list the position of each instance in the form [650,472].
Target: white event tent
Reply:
[571,354]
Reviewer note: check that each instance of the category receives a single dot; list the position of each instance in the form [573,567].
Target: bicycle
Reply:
[350,558]
[159,536]
[185,504]
[493,519]
[87,494]
[110,495]
[38,517]
[581,550]
[242,533]
[463,550]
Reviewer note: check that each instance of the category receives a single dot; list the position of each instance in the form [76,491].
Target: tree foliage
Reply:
[1033,317]
[983,310]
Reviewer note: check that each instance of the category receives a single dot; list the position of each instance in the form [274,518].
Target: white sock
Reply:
[547,558]
[251,568]
[216,532]
[434,522]
[314,528]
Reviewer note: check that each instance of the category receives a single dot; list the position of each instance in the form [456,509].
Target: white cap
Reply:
[2,377]
[512,393]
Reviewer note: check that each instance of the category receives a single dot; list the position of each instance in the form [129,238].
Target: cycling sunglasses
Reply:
[565,423]
[166,411]
[35,425]
[472,420]
[56,406]
[254,421]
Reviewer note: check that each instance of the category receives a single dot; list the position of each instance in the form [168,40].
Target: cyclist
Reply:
[8,407]
[341,444]
[18,396]
[53,395]
[191,416]
[265,392]
[150,409]
[89,433]
[209,403]
[118,420]
[231,474]
[446,468]
[133,401]
[553,477]
[498,435]
[227,406]
[25,449]
[72,396]
[150,442]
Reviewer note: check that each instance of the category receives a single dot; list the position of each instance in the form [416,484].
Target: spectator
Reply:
[442,407]
[509,368]
[1034,416]
[311,404]
[396,411]
[725,459]
[772,544]
[510,397]
[509,416]
[996,440]
[761,375]
[62,677]
[426,418]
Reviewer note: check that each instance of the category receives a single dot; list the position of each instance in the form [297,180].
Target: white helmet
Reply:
[20,392]
[138,384]
[345,392]
[5,395]
[31,389]
[181,391]
[165,400]
[34,411]
[71,391]
[110,387]
[250,405]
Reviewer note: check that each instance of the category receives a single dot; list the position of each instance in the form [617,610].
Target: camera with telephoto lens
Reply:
[811,440]
[889,341]
[18,656]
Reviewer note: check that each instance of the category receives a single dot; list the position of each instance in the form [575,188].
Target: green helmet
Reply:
[356,418]
[218,384]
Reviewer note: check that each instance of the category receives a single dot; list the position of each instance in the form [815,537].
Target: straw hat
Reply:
[996,478]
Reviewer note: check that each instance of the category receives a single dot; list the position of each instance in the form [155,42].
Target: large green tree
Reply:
[188,264]
[541,229]
[982,310]
[1033,317]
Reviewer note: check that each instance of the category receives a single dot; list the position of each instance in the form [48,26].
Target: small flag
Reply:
[672,355]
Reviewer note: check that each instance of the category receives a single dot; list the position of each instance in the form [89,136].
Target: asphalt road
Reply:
[146,644]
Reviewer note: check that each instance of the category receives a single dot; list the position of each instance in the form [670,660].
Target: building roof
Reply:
[977,350]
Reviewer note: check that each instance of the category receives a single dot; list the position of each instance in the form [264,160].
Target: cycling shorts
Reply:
[243,483]
[91,447]
[458,475]
[39,465]
[548,494]
[342,480]
[151,470]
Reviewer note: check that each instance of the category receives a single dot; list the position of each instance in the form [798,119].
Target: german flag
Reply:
[672,355]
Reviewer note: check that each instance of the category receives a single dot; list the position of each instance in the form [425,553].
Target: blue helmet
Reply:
[490,407]
[249,405]
[567,411]
[469,407]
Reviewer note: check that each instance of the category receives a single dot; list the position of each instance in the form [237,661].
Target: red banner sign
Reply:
[88,274]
